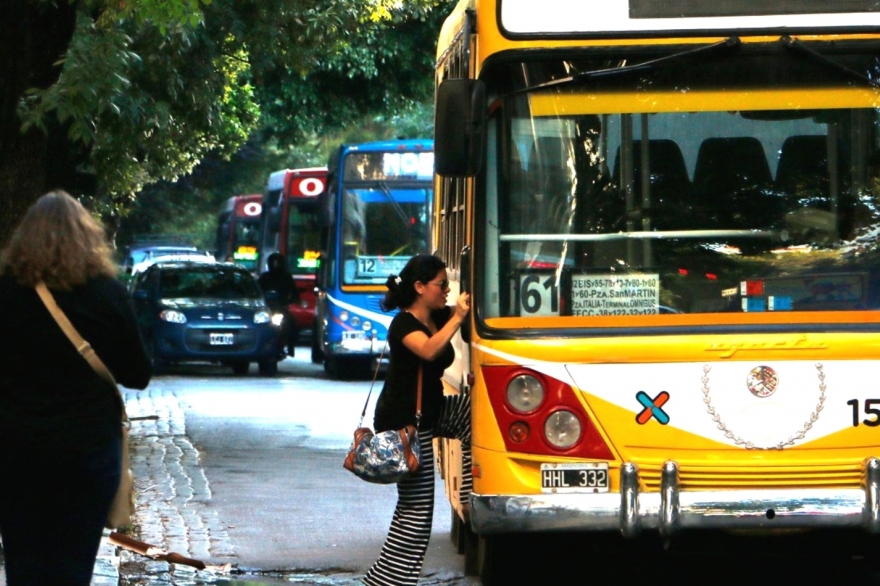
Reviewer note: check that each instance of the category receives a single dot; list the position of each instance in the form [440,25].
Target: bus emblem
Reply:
[762,381]
[652,408]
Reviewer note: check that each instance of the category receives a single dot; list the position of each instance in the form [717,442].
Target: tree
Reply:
[48,116]
[106,97]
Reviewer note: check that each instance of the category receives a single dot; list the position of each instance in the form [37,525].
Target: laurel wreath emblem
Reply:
[749,445]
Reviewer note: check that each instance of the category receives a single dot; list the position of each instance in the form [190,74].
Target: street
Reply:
[247,471]
[245,474]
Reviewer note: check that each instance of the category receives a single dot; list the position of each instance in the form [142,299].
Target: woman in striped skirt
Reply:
[419,334]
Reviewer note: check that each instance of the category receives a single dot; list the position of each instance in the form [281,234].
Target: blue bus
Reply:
[376,211]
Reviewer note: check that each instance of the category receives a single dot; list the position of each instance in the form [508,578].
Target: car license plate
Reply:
[575,477]
[220,339]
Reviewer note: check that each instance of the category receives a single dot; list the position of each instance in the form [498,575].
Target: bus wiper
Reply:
[724,46]
[394,203]
[802,48]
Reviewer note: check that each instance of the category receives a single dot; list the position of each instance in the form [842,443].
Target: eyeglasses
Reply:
[444,284]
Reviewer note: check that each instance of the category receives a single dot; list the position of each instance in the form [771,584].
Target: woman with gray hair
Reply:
[60,432]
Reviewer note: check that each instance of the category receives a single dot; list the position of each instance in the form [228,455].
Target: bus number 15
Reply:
[872,407]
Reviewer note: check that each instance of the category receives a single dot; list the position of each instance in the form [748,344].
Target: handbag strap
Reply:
[376,375]
[82,347]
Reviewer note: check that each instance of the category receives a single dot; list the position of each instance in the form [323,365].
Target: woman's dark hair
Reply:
[401,288]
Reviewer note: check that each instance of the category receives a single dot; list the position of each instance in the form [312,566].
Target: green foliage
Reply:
[176,105]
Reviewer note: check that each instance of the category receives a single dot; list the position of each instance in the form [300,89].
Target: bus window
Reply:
[697,199]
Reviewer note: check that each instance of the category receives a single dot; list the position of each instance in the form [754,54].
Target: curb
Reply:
[106,565]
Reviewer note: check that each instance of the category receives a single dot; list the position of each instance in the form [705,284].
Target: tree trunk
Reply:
[34,34]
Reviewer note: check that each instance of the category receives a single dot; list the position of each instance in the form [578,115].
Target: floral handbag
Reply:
[389,456]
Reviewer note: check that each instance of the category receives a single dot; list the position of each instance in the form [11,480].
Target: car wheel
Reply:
[331,366]
[240,368]
[159,366]
[268,367]
[317,346]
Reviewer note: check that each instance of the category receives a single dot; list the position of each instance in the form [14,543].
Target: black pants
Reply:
[53,507]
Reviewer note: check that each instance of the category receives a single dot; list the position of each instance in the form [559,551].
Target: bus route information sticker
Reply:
[632,294]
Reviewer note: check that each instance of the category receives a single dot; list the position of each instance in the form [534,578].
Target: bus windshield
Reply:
[744,182]
[303,236]
[384,224]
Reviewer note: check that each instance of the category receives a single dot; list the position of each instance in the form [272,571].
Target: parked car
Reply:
[191,256]
[137,253]
[213,312]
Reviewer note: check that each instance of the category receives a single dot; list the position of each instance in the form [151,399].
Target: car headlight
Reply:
[562,429]
[525,393]
[262,317]
[277,318]
[172,316]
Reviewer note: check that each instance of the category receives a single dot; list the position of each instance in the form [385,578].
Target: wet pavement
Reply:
[173,514]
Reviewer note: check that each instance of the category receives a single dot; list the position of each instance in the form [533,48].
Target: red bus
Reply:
[238,230]
[291,226]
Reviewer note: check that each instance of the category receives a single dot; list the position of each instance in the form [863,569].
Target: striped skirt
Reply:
[402,556]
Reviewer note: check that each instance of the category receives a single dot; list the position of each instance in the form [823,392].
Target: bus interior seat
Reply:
[669,181]
[804,182]
[803,167]
[730,173]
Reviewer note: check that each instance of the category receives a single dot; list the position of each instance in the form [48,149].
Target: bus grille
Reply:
[697,478]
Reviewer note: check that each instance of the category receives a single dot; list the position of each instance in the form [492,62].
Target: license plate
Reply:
[575,477]
[220,339]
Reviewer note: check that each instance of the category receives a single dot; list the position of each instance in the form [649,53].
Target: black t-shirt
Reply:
[282,283]
[50,397]
[396,406]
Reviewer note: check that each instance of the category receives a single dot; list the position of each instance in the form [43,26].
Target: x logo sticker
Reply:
[652,408]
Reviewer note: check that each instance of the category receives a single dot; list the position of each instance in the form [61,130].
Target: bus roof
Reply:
[230,203]
[276,179]
[393,145]
[628,18]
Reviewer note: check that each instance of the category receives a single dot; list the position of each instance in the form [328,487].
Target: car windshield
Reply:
[207,282]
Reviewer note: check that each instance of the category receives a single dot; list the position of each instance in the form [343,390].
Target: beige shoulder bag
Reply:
[124,502]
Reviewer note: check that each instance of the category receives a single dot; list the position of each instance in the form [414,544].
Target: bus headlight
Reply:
[525,393]
[355,321]
[562,429]
[368,325]
[343,315]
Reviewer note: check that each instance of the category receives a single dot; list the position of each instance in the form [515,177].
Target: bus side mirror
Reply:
[320,277]
[459,127]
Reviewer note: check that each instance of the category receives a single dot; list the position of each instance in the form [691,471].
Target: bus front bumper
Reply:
[672,509]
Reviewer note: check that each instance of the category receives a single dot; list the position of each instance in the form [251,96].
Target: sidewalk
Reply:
[172,493]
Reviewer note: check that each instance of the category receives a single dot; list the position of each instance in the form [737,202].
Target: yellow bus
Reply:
[667,214]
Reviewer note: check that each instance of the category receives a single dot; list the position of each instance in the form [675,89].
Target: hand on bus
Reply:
[463,305]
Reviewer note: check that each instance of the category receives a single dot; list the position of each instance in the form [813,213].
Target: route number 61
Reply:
[538,294]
